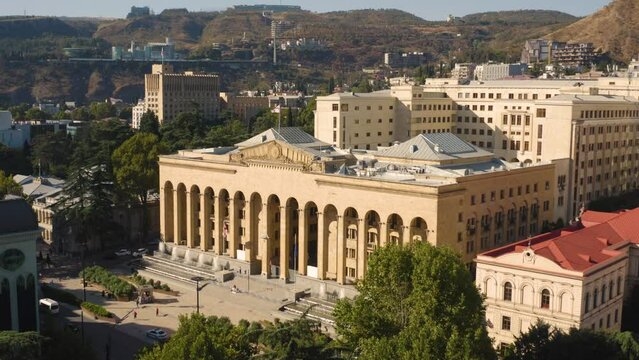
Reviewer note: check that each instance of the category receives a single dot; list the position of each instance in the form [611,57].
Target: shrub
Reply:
[166,287]
[115,285]
[157,284]
[96,309]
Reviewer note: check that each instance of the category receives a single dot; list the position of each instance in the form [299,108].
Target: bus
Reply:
[49,305]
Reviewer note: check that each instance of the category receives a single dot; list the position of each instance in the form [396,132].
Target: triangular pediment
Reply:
[275,152]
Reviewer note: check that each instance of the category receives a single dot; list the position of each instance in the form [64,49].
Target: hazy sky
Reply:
[428,9]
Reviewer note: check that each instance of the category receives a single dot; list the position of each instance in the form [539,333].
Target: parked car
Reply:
[140,252]
[123,252]
[157,334]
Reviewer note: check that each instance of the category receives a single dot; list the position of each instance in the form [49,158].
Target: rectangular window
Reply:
[505,323]
[541,113]
[335,107]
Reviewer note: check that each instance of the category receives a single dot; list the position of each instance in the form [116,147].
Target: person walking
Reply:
[135,315]
[157,311]
[137,302]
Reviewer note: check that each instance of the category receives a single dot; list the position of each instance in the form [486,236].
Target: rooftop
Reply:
[36,186]
[434,147]
[578,248]
[16,216]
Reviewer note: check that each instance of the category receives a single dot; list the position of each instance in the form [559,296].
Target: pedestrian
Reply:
[157,311]
[137,302]
[135,315]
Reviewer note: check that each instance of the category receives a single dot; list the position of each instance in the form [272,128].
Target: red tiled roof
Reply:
[584,245]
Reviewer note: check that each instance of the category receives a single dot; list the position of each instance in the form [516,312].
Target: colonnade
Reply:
[285,235]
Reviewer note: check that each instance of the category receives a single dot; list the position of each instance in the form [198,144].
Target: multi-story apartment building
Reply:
[168,94]
[244,107]
[574,277]
[220,206]
[136,114]
[463,71]
[368,121]
[524,121]
[575,55]
[489,71]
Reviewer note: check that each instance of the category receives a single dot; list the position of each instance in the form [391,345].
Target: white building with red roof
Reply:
[574,277]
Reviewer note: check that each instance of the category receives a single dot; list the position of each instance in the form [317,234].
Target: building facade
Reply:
[574,277]
[378,119]
[489,71]
[588,128]
[330,208]
[168,94]
[244,107]
[136,114]
[18,270]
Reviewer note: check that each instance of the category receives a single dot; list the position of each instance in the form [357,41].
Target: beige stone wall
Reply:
[529,277]
[265,204]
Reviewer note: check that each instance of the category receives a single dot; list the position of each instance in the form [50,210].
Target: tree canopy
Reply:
[8,186]
[544,342]
[149,123]
[415,302]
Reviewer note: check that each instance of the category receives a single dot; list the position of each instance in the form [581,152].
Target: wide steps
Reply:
[314,308]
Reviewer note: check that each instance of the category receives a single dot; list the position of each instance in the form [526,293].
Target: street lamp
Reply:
[83,246]
[197,280]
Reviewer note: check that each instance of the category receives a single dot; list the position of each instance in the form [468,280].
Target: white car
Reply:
[140,252]
[122,252]
[157,334]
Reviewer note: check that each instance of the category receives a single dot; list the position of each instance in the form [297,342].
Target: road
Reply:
[96,333]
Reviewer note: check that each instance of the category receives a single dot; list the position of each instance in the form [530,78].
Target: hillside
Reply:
[613,29]
[184,29]
[21,27]
[519,17]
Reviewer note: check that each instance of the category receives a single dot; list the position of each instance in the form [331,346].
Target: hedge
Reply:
[115,285]
[96,309]
[60,295]
[155,283]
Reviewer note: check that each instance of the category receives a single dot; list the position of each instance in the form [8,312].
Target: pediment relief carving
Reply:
[274,152]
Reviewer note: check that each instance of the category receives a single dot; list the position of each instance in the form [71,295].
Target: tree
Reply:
[102,110]
[126,113]
[20,345]
[8,186]
[36,114]
[289,117]
[263,121]
[415,302]
[228,134]
[13,161]
[543,342]
[135,166]
[52,152]
[306,117]
[183,131]
[150,123]
[200,337]
[81,114]
[18,111]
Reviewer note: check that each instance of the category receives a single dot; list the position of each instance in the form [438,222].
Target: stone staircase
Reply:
[313,308]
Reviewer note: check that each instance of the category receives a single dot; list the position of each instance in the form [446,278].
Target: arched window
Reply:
[508,291]
[587,303]
[545,299]
[610,292]
[603,294]
[594,298]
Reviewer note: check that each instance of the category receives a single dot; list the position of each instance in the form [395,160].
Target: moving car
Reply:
[157,334]
[140,252]
[49,305]
[123,252]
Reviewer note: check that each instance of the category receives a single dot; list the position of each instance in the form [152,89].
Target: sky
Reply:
[427,9]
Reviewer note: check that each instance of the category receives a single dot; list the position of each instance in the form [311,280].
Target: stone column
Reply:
[284,242]
[190,221]
[302,242]
[263,242]
[248,232]
[321,247]
[383,234]
[341,245]
[176,218]
[219,225]
[361,248]
[163,200]
[406,235]
[205,221]
[233,228]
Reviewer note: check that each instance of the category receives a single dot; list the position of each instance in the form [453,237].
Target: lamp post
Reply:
[84,287]
[197,280]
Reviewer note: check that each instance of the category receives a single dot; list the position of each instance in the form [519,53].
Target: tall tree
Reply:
[183,131]
[52,153]
[8,186]
[20,345]
[415,302]
[306,117]
[135,166]
[150,123]
[228,134]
